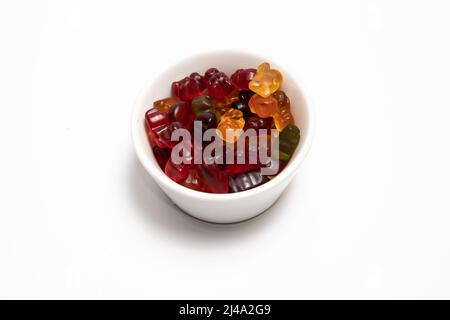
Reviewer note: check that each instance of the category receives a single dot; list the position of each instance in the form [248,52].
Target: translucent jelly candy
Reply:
[241,77]
[202,103]
[266,80]
[208,120]
[227,101]
[188,88]
[155,118]
[243,107]
[177,172]
[249,99]
[289,139]
[235,168]
[182,112]
[210,72]
[214,179]
[257,123]
[157,127]
[282,116]
[245,95]
[246,181]
[232,120]
[193,181]
[263,107]
[165,104]
[219,85]
[161,155]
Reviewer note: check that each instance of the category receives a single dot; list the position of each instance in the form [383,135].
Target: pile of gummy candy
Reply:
[249,99]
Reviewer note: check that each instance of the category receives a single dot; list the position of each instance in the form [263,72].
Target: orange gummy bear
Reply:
[233,121]
[282,116]
[263,107]
[165,104]
[232,97]
[266,80]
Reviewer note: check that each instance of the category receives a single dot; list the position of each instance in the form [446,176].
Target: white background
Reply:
[368,216]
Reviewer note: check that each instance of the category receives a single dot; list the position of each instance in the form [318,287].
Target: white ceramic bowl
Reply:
[220,208]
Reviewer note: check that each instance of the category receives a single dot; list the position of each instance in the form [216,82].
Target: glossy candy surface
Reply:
[282,116]
[266,80]
[230,125]
[208,120]
[219,85]
[165,104]
[288,139]
[243,107]
[263,107]
[246,181]
[241,77]
[189,87]
[161,155]
[202,103]
[214,179]
[245,95]
[193,181]
[247,101]
[182,112]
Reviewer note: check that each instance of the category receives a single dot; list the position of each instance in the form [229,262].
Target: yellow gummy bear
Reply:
[266,80]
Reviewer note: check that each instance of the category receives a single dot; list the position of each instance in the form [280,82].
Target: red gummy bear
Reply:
[159,129]
[183,113]
[188,88]
[161,155]
[218,84]
[241,77]
[214,179]
[177,172]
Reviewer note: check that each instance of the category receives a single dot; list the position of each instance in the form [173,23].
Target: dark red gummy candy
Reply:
[161,155]
[182,112]
[177,172]
[188,88]
[219,85]
[241,77]
[215,180]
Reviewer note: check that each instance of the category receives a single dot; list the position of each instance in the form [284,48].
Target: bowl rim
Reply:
[155,171]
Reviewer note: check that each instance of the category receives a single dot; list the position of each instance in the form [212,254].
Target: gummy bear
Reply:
[157,127]
[182,112]
[161,155]
[263,107]
[288,141]
[227,101]
[266,80]
[214,179]
[189,87]
[219,85]
[243,107]
[177,172]
[246,181]
[241,77]
[193,181]
[208,120]
[202,103]
[209,73]
[257,123]
[282,116]
[231,120]
[245,95]
[165,104]
[155,118]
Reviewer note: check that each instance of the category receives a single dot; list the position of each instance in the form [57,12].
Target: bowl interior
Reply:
[227,62]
